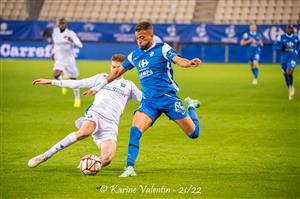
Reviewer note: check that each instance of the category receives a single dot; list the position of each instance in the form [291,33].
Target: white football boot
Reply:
[129,171]
[192,103]
[254,81]
[291,92]
[37,160]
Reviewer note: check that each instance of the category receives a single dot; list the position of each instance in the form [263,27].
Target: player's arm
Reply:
[246,40]
[83,83]
[172,56]
[186,63]
[111,77]
[135,92]
[74,39]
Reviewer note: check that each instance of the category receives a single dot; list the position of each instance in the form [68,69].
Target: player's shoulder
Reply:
[55,30]
[71,32]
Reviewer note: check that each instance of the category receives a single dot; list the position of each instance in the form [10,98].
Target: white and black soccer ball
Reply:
[90,164]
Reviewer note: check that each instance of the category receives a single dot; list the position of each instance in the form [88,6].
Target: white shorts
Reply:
[105,130]
[68,66]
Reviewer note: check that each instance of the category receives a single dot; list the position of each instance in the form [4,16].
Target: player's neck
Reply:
[150,46]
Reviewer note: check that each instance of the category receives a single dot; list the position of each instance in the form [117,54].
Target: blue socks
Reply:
[255,72]
[133,145]
[194,117]
[290,80]
[286,79]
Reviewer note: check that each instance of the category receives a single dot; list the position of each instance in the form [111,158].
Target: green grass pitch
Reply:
[248,147]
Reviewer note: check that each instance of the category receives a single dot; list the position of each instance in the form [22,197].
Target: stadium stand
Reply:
[14,9]
[160,11]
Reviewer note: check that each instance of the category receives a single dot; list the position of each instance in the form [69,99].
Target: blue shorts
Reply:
[288,62]
[168,104]
[253,57]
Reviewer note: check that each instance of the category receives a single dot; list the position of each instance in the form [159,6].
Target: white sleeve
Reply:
[135,92]
[83,83]
[76,40]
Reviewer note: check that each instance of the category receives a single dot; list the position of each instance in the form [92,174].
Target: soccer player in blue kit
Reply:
[288,43]
[153,62]
[252,39]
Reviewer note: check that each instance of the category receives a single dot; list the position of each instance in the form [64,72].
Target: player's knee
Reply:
[140,127]
[83,133]
[56,74]
[106,159]
[289,72]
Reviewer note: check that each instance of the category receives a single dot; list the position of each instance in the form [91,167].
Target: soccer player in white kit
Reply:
[101,118]
[64,41]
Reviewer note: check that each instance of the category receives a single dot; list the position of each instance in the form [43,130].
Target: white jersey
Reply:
[110,101]
[63,48]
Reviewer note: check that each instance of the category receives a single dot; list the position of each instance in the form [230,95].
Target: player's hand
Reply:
[90,92]
[195,62]
[70,39]
[41,81]
[251,41]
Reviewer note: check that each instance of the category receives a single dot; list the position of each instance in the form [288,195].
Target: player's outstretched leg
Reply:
[192,105]
[85,130]
[68,140]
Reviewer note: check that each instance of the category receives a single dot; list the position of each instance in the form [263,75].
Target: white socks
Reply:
[67,141]
[76,93]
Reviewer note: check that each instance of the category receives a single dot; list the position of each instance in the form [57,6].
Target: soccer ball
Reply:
[90,164]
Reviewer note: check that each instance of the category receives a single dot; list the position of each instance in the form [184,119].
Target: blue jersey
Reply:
[288,44]
[289,47]
[253,48]
[154,69]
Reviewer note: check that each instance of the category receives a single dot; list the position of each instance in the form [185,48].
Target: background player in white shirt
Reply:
[102,117]
[64,41]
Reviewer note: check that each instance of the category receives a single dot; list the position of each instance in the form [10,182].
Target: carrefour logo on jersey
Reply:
[143,63]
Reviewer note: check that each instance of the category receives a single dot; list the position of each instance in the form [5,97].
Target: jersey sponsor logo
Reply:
[143,63]
[116,90]
[145,73]
[123,85]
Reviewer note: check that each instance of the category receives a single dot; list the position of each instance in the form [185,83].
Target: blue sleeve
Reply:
[128,64]
[168,52]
